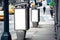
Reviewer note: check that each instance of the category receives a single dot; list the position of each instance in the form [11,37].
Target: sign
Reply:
[20,22]
[35,15]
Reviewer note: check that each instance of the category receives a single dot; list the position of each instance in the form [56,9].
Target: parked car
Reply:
[11,11]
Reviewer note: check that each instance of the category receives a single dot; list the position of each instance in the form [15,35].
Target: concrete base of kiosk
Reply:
[21,34]
[35,24]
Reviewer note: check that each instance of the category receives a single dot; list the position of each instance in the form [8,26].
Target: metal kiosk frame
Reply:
[22,32]
[37,16]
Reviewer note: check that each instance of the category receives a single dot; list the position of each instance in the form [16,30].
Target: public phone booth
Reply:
[35,17]
[21,20]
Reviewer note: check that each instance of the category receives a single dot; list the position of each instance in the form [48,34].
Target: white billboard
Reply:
[20,23]
[34,15]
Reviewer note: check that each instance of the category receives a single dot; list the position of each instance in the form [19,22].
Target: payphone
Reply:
[35,17]
[21,19]
[35,14]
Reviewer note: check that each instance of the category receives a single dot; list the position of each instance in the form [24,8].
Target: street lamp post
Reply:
[6,34]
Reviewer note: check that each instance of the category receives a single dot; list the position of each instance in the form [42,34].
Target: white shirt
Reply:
[44,3]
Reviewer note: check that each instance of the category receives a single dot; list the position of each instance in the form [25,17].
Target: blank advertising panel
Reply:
[35,15]
[20,23]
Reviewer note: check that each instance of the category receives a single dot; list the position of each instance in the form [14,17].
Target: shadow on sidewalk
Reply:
[28,38]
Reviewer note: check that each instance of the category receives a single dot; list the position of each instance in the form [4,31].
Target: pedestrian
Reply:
[33,5]
[44,8]
[44,3]
[40,3]
[52,3]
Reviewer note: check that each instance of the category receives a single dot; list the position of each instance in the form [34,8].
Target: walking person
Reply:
[33,5]
[44,3]
[40,3]
[52,3]
[44,8]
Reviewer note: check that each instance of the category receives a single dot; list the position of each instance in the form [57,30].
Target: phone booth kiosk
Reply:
[21,20]
[35,17]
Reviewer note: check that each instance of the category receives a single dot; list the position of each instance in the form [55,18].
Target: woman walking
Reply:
[52,3]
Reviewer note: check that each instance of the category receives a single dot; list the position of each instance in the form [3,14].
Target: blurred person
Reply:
[52,3]
[44,3]
[11,8]
[40,3]
[33,4]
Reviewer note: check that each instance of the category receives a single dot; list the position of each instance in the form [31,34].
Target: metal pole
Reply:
[6,34]
[57,10]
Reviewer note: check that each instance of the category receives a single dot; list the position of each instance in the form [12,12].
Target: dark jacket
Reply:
[40,3]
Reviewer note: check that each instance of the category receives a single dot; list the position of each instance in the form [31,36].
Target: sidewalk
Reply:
[43,33]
